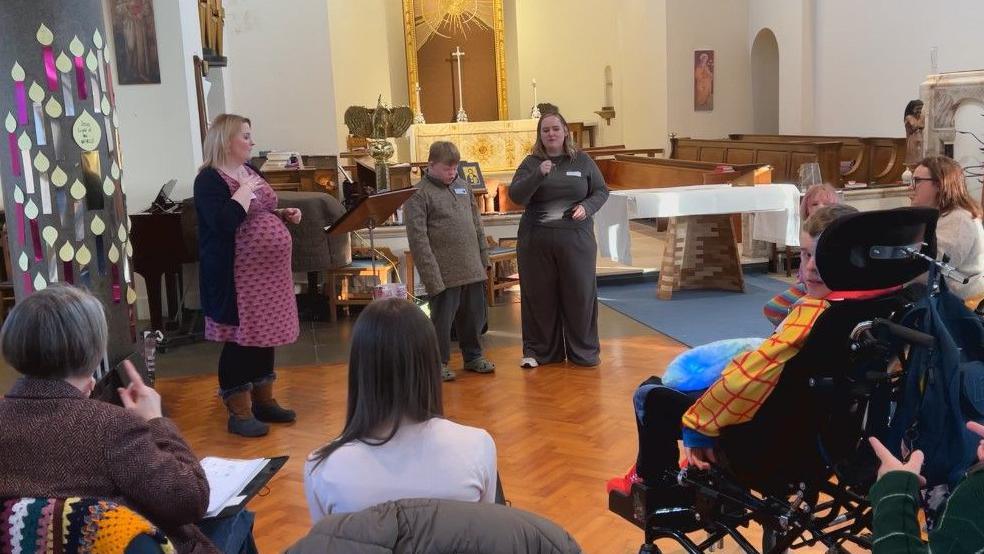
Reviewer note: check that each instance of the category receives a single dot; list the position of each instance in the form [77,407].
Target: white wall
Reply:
[159,135]
[708,25]
[765,82]
[871,57]
[792,22]
[280,73]
[641,74]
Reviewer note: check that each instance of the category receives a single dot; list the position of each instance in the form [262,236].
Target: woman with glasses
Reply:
[938,182]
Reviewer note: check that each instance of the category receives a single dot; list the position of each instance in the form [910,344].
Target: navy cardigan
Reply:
[218,218]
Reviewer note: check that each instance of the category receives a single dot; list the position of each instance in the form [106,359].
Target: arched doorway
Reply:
[765,83]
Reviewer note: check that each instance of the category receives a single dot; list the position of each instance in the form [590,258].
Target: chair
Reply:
[504,272]
[80,525]
[342,285]
[801,467]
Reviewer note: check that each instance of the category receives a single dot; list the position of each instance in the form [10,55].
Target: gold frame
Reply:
[498,33]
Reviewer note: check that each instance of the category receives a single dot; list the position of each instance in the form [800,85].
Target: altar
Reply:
[498,146]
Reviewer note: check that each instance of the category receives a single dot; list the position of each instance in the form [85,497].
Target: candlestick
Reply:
[418,118]
[64,66]
[78,50]
[20,93]
[36,94]
[45,37]
[462,116]
[535,112]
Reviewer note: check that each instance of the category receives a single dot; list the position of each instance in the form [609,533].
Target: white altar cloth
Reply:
[776,207]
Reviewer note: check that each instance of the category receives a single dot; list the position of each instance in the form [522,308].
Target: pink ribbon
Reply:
[15,162]
[28,286]
[36,239]
[20,224]
[49,68]
[80,78]
[20,93]
[115,280]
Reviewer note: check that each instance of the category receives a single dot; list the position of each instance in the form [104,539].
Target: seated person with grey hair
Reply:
[57,442]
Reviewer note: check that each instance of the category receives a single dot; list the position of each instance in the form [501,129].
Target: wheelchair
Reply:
[802,467]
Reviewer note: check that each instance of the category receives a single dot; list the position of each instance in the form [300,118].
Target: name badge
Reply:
[573,173]
[460,190]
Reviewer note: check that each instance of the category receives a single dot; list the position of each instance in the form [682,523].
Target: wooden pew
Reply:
[612,151]
[639,172]
[873,160]
[784,157]
[319,174]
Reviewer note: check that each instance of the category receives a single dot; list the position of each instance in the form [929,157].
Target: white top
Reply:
[434,459]
[962,238]
[780,221]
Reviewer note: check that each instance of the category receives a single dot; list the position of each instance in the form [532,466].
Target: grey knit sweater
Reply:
[445,234]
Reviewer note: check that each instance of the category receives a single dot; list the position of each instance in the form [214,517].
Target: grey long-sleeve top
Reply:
[550,199]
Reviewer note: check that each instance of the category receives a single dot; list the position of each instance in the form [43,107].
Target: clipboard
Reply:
[253,487]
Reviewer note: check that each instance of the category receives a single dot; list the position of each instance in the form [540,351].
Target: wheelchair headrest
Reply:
[866,250]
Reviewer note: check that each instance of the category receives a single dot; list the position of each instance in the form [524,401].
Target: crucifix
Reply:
[462,116]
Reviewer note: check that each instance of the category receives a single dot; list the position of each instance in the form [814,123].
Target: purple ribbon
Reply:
[80,78]
[69,272]
[115,280]
[28,286]
[49,69]
[20,224]
[15,161]
[20,94]
[36,239]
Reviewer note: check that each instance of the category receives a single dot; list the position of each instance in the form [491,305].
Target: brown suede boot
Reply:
[241,420]
[266,408]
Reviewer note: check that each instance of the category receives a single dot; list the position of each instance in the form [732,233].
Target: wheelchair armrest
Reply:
[910,336]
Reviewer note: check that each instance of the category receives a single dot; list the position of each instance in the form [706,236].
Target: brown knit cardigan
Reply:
[55,442]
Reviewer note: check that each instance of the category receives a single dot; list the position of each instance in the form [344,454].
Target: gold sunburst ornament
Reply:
[456,16]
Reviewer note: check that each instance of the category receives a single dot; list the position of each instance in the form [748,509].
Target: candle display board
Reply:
[61,168]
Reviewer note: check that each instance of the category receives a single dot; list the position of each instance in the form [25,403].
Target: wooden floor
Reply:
[560,431]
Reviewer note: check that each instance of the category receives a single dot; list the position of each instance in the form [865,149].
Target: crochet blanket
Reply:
[698,368]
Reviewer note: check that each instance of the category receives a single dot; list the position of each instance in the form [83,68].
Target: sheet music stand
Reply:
[369,213]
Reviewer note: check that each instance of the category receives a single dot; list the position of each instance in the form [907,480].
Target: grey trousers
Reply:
[465,307]
[559,294]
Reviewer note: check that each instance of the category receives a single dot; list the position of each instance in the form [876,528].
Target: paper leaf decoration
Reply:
[41,162]
[131,295]
[83,256]
[44,35]
[31,210]
[22,261]
[97,226]
[66,253]
[91,62]
[39,283]
[113,254]
[97,40]
[108,187]
[78,190]
[50,235]
[114,170]
[24,142]
[35,93]
[10,123]
[58,177]
[17,72]
[129,249]
[53,108]
[63,63]
[76,47]
[104,105]
[121,234]
[18,195]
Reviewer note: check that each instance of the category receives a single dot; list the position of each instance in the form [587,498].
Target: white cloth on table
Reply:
[776,206]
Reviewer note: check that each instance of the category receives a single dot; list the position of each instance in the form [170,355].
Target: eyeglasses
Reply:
[917,180]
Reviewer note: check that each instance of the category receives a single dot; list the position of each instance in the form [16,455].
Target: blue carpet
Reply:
[696,317]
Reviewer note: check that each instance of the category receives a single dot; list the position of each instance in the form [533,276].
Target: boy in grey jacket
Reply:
[447,241]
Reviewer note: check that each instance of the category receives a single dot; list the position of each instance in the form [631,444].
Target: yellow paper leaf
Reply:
[39,283]
[66,253]
[113,254]
[97,40]
[86,131]
[35,92]
[22,261]
[97,226]
[17,72]
[108,186]
[31,210]
[78,190]
[63,63]
[24,142]
[76,47]
[44,35]
[83,256]
[50,235]
[58,177]
[41,162]
[53,108]
[10,123]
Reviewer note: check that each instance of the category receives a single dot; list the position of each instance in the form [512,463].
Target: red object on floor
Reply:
[623,484]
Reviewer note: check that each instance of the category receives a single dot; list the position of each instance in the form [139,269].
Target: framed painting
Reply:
[443,38]
[472,174]
[135,39]
[703,80]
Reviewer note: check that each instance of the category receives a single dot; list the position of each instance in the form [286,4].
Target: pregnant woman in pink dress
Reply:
[247,288]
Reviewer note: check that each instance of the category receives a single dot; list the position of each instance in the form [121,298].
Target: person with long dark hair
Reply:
[396,442]
[562,188]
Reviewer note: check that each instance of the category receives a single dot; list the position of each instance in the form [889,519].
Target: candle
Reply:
[98,227]
[83,257]
[36,94]
[93,64]
[50,236]
[64,66]
[534,93]
[67,255]
[24,143]
[25,274]
[77,50]
[108,123]
[54,110]
[31,211]
[97,41]
[114,256]
[20,93]
[78,209]
[41,164]
[19,214]
[15,163]
[45,37]
[122,236]
[59,178]
[114,172]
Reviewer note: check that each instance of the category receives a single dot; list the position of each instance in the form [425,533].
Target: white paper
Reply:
[226,480]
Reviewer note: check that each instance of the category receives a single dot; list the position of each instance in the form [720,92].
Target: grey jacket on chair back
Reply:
[436,526]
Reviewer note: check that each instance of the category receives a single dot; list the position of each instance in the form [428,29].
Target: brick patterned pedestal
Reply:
[701,253]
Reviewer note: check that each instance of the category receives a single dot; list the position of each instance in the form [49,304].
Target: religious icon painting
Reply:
[703,80]
[472,174]
[135,37]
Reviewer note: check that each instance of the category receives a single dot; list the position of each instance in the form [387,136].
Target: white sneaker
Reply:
[528,363]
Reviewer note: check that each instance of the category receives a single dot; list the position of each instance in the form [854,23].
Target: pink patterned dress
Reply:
[264,282]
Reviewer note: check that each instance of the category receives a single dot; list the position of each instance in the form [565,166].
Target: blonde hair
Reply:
[815,191]
[951,189]
[823,217]
[540,151]
[220,133]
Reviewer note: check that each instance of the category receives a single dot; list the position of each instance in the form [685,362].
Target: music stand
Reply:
[369,212]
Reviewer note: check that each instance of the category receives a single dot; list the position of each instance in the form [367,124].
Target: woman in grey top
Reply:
[561,188]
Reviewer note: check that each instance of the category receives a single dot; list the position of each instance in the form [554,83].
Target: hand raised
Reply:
[890,463]
[546,166]
[138,397]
